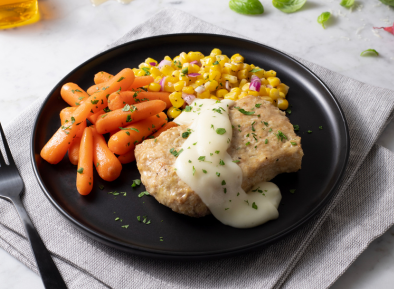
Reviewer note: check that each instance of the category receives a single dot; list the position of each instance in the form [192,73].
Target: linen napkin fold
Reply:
[314,256]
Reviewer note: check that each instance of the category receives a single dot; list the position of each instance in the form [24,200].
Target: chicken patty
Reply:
[264,143]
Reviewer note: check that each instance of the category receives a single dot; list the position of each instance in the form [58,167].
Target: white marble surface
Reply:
[34,58]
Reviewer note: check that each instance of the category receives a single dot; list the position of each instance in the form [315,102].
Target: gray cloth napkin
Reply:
[312,257]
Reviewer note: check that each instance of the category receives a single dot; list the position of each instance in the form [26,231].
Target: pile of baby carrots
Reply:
[116,104]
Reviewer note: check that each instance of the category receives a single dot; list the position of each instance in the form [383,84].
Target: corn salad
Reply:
[191,75]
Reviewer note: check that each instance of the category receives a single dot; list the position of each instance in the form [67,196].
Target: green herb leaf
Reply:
[292,191]
[347,3]
[120,79]
[186,134]
[194,170]
[309,131]
[293,143]
[296,127]
[288,111]
[220,131]
[320,127]
[175,153]
[125,226]
[140,195]
[241,110]
[248,7]
[204,171]
[254,206]
[218,174]
[280,135]
[101,187]
[388,2]
[185,70]
[136,182]
[94,101]
[288,6]
[216,62]
[369,52]
[202,158]
[146,69]
[323,18]
[221,162]
[128,119]
[188,108]
[223,183]
[130,128]
[256,69]
[217,152]
[236,161]
[258,105]
[80,170]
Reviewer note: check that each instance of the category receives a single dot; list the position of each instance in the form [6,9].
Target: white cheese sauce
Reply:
[208,169]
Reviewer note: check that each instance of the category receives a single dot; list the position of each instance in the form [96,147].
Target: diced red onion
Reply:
[196,62]
[164,62]
[152,63]
[162,82]
[200,89]
[188,98]
[255,83]
[228,86]
[193,74]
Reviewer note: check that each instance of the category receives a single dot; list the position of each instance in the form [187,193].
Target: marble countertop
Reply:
[34,58]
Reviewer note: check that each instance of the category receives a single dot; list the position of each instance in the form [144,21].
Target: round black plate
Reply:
[313,105]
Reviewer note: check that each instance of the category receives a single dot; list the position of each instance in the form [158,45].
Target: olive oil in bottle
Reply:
[15,13]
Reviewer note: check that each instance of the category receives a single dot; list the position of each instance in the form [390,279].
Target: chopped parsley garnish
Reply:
[194,170]
[204,171]
[217,152]
[185,70]
[218,174]
[293,143]
[270,130]
[175,153]
[225,190]
[296,127]
[146,69]
[221,162]
[80,170]
[136,182]
[241,110]
[194,143]
[223,183]
[186,134]
[220,131]
[253,129]
[255,70]
[266,123]
[320,127]
[140,195]
[236,161]
[257,105]
[280,135]
[125,226]
[161,239]
[94,101]
[216,62]
[129,128]
[254,206]
[101,187]
[288,111]
[292,191]
[72,120]
[129,119]
[217,110]
[120,79]
[309,131]
[188,108]
[202,158]
[248,143]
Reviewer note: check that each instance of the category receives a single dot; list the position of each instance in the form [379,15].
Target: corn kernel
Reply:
[154,87]
[176,99]
[184,77]
[214,97]
[270,73]
[264,81]
[283,88]
[242,95]
[169,87]
[282,95]
[184,58]
[221,93]
[215,52]
[167,58]
[195,56]
[215,67]
[268,90]
[245,87]
[237,90]
[282,103]
[141,73]
[178,86]
[237,58]
[176,63]
[200,82]
[204,94]
[166,70]
[194,68]
[135,70]
[207,61]
[176,73]
[193,85]
[214,75]
[274,81]
[154,70]
[247,67]
[231,95]
[242,83]
[274,93]
[222,59]
[242,74]
[173,112]
[258,73]
[188,90]
[230,78]
[171,79]
[143,65]
[227,70]
[211,85]
[263,91]
[158,79]
[254,93]
[150,60]
[266,98]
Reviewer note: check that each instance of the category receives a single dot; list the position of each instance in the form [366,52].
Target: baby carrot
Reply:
[102,76]
[73,151]
[97,87]
[128,114]
[85,163]
[167,126]
[73,94]
[128,157]
[55,149]
[119,99]
[93,118]
[107,164]
[122,142]
[141,81]
[65,114]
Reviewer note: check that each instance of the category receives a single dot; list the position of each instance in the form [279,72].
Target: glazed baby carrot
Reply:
[102,76]
[93,118]
[141,81]
[73,94]
[119,99]
[97,87]
[73,151]
[123,141]
[55,149]
[65,114]
[167,126]
[128,114]
[107,164]
[85,163]
[128,157]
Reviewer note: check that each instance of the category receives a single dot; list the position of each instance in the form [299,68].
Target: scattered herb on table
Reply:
[136,182]
[140,195]
[323,18]
[347,3]
[371,52]
[288,6]
[248,7]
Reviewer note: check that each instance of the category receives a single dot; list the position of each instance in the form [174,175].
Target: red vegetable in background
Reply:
[389,29]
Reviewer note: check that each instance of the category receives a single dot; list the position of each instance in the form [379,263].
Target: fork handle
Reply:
[49,273]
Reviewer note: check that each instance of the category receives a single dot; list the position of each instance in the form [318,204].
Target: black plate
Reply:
[313,105]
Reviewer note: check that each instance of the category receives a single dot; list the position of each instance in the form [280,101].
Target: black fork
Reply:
[11,188]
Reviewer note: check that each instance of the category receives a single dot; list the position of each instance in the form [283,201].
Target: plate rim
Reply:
[148,252]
